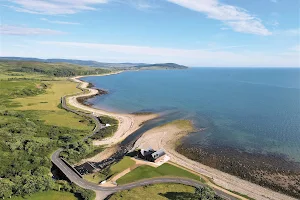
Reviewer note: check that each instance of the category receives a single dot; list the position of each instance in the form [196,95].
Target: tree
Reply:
[204,193]
[6,187]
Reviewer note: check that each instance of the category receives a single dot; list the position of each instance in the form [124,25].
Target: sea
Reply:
[256,110]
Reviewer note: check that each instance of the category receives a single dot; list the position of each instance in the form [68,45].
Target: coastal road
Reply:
[105,191]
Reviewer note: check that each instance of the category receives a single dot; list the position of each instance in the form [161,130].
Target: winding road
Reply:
[103,192]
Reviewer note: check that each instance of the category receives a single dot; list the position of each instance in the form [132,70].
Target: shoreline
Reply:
[128,123]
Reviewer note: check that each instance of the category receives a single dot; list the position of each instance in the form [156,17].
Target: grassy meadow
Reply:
[156,192]
[49,195]
[115,169]
[125,163]
[50,99]
[145,172]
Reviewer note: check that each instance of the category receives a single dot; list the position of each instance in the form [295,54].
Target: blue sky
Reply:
[258,33]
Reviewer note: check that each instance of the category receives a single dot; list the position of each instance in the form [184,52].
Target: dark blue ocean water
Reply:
[253,109]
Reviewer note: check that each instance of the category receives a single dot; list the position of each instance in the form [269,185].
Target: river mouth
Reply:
[127,145]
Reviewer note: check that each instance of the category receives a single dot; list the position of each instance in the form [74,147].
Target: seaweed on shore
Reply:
[269,170]
[90,85]
[83,100]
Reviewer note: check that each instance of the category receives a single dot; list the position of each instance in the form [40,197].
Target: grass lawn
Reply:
[155,192]
[95,178]
[145,171]
[115,169]
[58,118]
[125,163]
[21,75]
[14,89]
[51,99]
[49,195]
[48,102]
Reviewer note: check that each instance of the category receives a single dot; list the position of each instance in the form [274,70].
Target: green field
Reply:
[49,100]
[156,192]
[125,163]
[14,89]
[145,171]
[21,75]
[108,131]
[116,168]
[49,195]
[95,178]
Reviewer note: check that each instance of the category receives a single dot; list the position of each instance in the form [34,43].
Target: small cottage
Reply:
[151,155]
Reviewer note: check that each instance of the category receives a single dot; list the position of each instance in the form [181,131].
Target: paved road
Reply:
[105,191]
[98,125]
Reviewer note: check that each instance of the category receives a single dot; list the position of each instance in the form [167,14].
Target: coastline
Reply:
[128,123]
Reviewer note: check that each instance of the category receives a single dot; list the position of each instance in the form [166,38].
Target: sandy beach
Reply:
[165,137]
[128,123]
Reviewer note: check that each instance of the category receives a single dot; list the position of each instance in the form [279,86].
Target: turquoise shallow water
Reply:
[253,109]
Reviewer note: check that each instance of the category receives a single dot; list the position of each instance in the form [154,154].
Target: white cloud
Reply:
[288,32]
[274,1]
[291,32]
[190,57]
[21,30]
[59,22]
[274,23]
[236,18]
[54,7]
[296,48]
[140,4]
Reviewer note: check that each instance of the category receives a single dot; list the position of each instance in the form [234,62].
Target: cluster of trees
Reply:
[108,131]
[78,150]
[27,142]
[206,193]
[25,148]
[201,193]
[25,184]
[30,184]
[82,193]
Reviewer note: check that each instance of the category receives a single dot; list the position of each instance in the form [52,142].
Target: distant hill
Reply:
[161,66]
[21,67]
[91,63]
